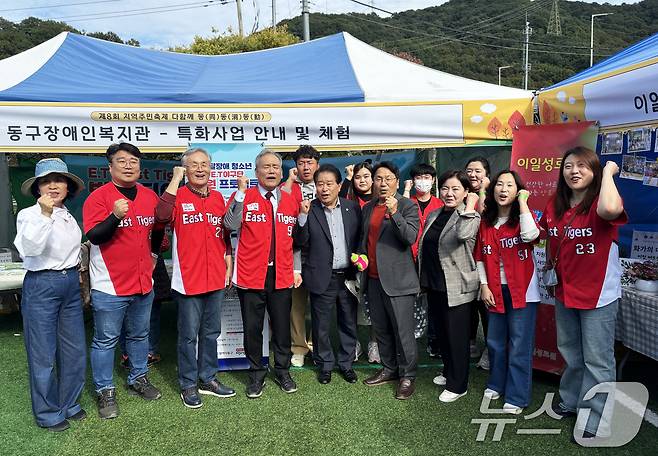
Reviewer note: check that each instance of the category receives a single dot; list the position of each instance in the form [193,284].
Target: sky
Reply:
[181,20]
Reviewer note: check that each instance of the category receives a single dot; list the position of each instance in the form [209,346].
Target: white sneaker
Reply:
[512,409]
[484,360]
[491,394]
[358,352]
[297,360]
[439,380]
[449,396]
[373,353]
[475,351]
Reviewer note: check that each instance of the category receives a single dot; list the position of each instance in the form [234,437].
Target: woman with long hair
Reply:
[509,288]
[357,185]
[448,272]
[582,221]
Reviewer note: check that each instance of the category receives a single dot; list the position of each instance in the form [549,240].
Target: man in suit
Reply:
[330,233]
[390,229]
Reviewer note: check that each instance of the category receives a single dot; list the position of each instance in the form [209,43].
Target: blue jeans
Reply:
[55,343]
[586,341]
[154,330]
[510,340]
[199,320]
[109,314]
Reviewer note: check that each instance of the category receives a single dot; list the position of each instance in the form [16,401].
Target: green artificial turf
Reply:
[333,419]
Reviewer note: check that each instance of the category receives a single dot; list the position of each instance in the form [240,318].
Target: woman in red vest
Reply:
[582,221]
[509,288]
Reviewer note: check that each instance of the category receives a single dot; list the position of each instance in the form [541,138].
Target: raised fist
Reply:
[120,208]
[243,183]
[46,203]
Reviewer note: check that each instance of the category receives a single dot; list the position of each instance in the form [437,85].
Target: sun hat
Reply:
[49,166]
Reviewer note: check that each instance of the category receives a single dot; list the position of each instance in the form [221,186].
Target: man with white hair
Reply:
[202,271]
[265,218]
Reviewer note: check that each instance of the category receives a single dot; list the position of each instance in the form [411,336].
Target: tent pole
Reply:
[240,27]
[8,227]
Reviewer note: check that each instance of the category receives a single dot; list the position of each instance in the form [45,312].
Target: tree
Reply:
[231,43]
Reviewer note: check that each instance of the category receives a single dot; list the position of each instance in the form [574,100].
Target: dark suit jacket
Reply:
[316,238]
[395,262]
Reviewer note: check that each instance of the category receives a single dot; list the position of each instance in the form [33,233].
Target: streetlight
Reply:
[500,69]
[591,37]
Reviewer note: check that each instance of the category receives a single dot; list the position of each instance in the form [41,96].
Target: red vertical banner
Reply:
[537,152]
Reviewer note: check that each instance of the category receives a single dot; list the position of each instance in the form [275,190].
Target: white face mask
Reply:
[423,185]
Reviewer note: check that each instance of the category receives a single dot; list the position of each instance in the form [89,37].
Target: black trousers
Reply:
[453,324]
[253,304]
[322,307]
[479,312]
[393,320]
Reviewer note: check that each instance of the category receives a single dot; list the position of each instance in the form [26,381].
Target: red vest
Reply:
[254,237]
[505,243]
[199,248]
[588,269]
[434,204]
[122,266]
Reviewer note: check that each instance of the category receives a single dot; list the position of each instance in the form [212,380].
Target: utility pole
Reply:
[240,27]
[305,17]
[591,37]
[273,13]
[527,31]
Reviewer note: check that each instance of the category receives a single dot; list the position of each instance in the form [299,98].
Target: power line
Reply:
[498,46]
[140,11]
[61,5]
[537,5]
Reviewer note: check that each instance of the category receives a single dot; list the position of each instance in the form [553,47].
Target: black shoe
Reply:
[255,389]
[81,415]
[215,388]
[324,377]
[286,383]
[562,412]
[153,358]
[107,404]
[59,427]
[143,388]
[190,398]
[349,375]
[125,362]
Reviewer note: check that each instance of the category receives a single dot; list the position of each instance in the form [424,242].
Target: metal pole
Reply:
[305,16]
[240,27]
[591,37]
[499,72]
[273,13]
[526,52]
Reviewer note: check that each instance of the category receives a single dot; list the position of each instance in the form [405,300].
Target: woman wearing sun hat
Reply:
[48,240]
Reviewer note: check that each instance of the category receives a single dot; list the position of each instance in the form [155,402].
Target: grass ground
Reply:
[333,419]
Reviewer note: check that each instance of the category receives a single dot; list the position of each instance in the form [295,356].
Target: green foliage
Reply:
[231,43]
[432,35]
[19,37]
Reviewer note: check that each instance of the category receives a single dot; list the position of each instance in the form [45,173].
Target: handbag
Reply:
[549,273]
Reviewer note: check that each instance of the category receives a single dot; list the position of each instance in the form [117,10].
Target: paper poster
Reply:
[632,167]
[651,174]
[639,140]
[612,143]
[645,245]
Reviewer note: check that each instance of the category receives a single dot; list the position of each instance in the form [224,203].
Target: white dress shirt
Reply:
[47,242]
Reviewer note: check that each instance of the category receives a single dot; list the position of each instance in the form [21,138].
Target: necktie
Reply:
[271,256]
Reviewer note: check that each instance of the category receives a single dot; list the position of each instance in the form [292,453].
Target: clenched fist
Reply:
[305,206]
[46,203]
[408,185]
[611,168]
[391,204]
[243,183]
[179,173]
[471,201]
[523,195]
[349,172]
[120,208]
[292,174]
